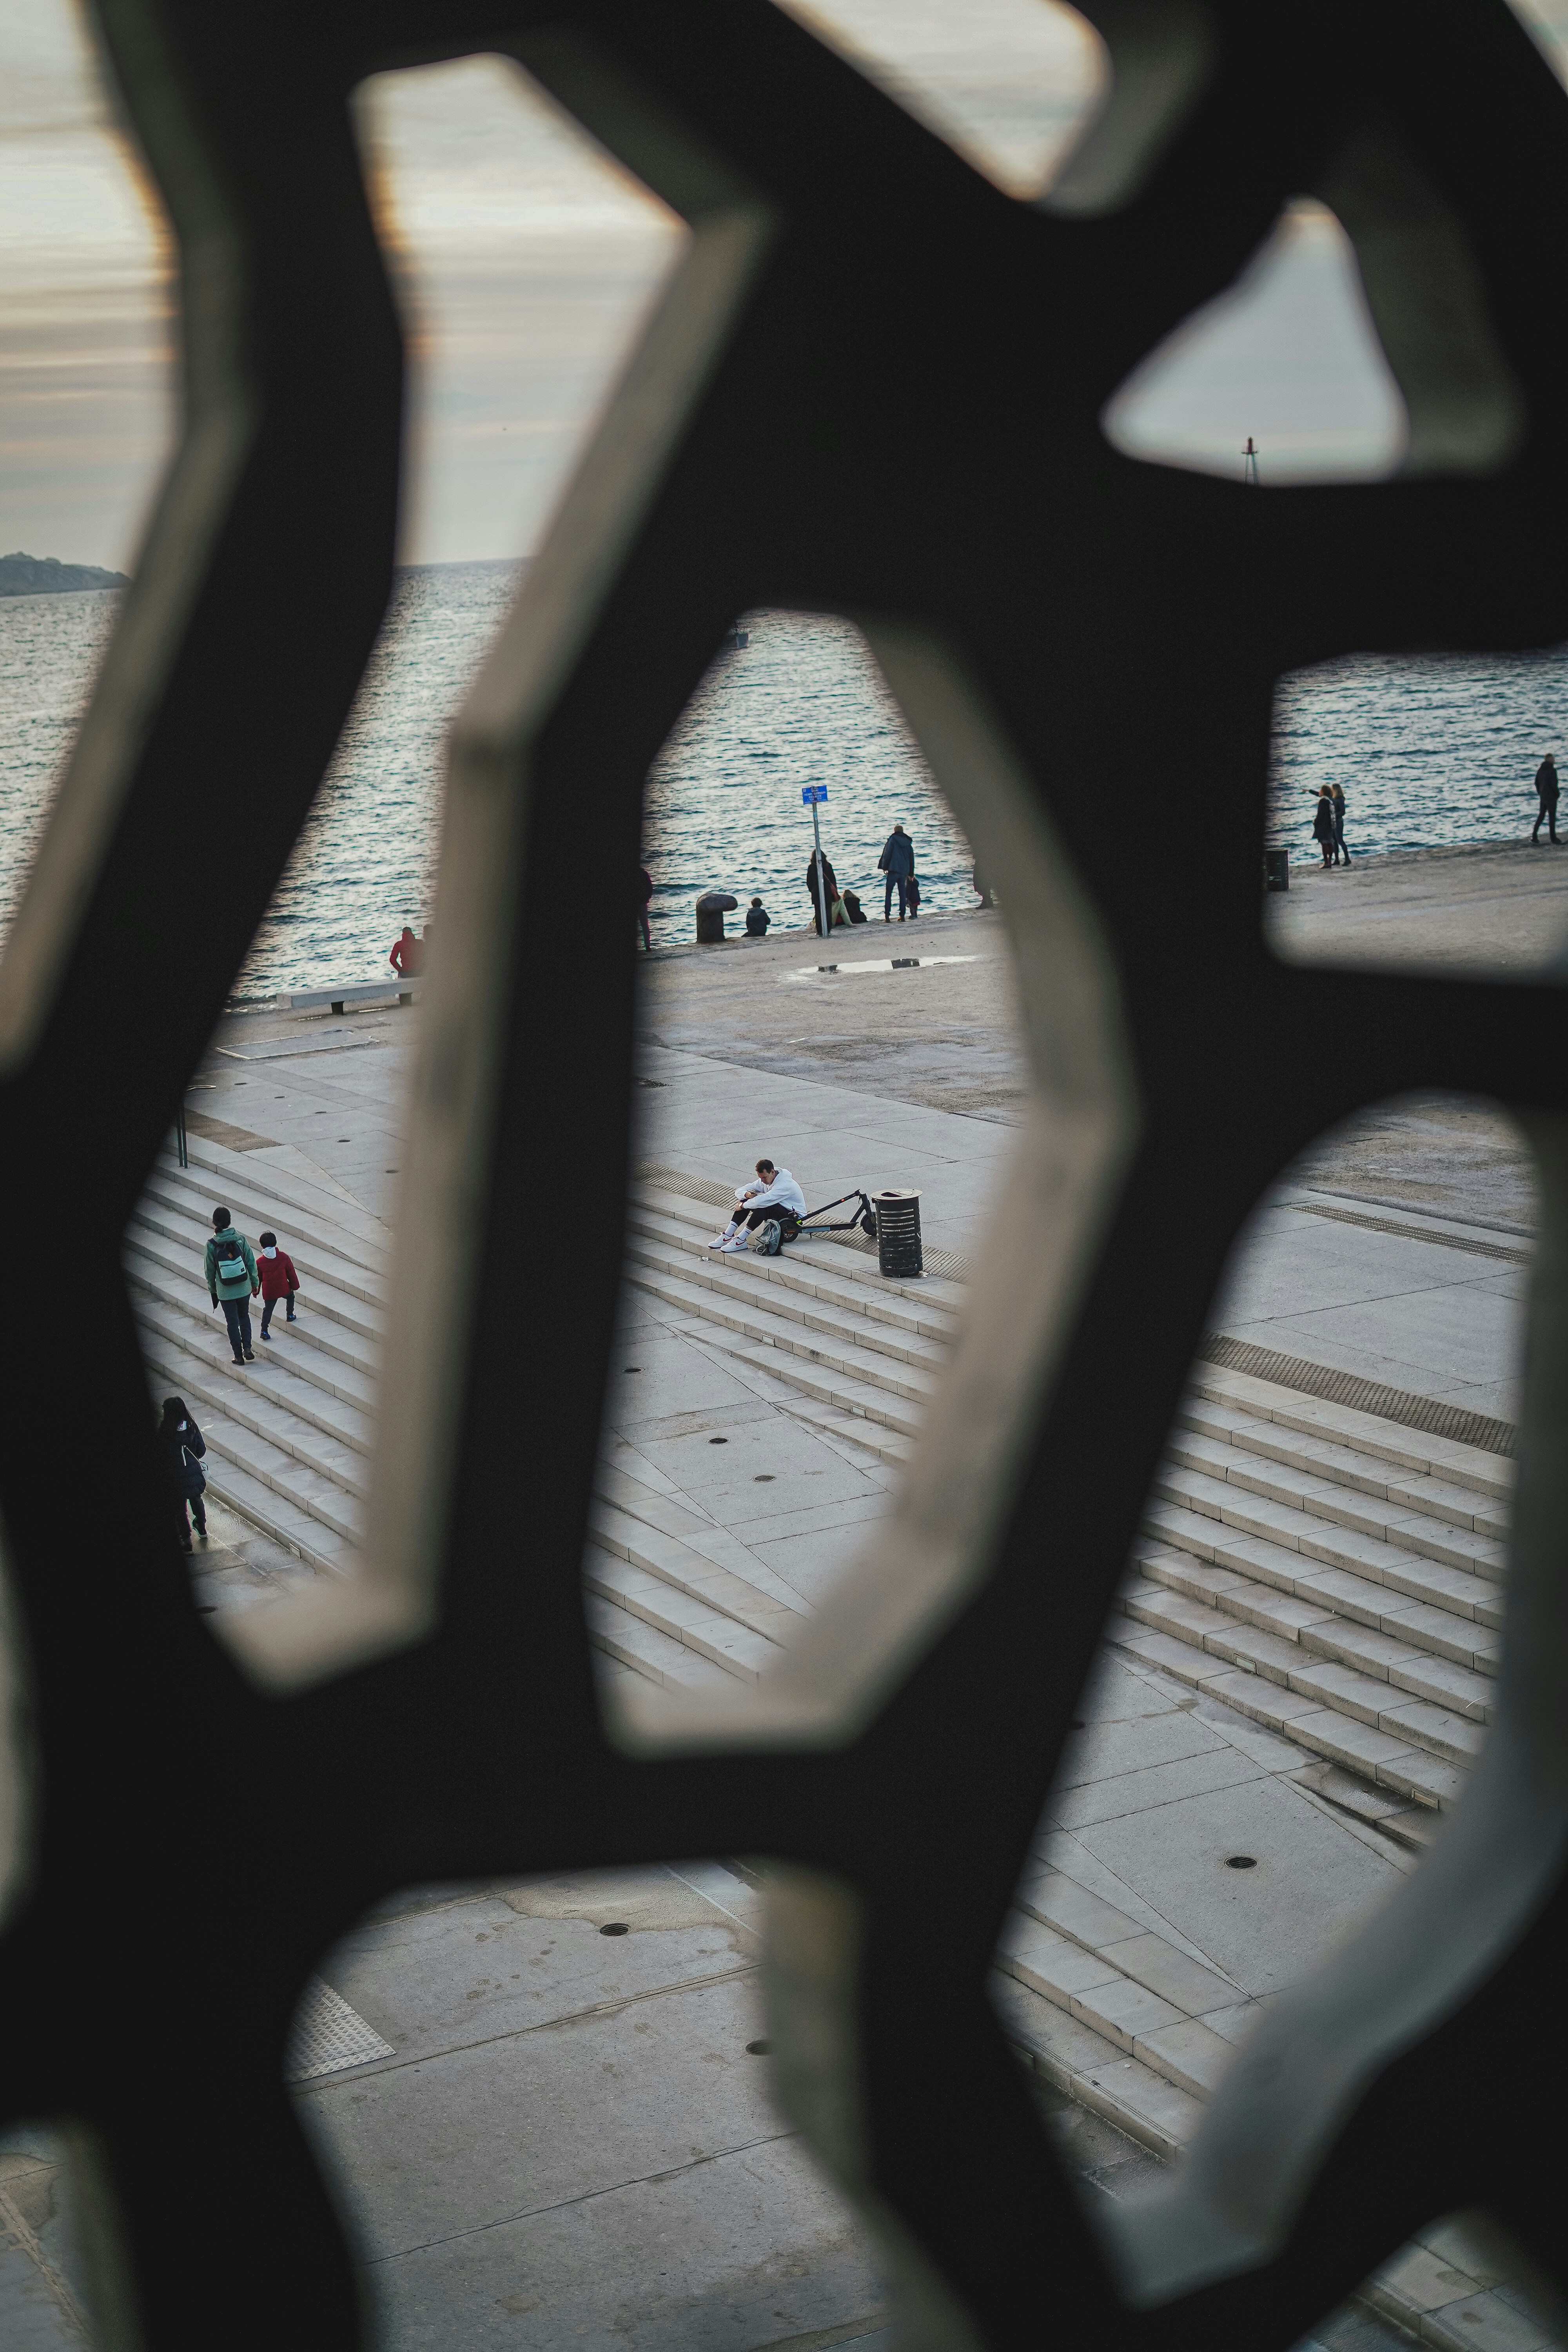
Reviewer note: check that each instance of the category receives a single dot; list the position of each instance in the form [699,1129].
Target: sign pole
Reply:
[813,793]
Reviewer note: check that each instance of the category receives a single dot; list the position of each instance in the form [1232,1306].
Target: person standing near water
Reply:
[1323,825]
[1337,796]
[1546,792]
[897,863]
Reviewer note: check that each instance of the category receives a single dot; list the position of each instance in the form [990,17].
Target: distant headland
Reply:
[42,575]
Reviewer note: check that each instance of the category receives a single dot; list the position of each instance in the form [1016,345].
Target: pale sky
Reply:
[526,259]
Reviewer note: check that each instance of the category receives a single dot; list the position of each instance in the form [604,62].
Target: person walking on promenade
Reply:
[774,1193]
[1323,825]
[1546,792]
[278,1281]
[1337,796]
[645,885]
[897,863]
[228,1263]
[184,1446]
[829,887]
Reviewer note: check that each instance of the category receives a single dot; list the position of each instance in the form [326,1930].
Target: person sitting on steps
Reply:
[228,1264]
[774,1193]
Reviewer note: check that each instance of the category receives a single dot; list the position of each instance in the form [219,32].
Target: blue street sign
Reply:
[810,793]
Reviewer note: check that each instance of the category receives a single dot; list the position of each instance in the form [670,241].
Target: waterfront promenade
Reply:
[625,2131]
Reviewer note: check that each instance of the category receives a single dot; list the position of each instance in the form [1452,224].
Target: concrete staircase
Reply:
[671,1596]
[1331,1575]
[289,1438]
[1336,1577]
[859,1353]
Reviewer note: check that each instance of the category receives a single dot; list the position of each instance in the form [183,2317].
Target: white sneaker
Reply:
[737,1249]
[718,1241]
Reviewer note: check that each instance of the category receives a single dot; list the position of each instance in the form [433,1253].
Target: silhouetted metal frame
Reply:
[873,386]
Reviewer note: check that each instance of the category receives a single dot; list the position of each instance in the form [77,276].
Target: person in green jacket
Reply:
[230,1266]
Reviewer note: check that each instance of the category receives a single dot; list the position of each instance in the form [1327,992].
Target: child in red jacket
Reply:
[279,1280]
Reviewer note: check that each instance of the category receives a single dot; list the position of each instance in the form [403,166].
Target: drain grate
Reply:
[328,2035]
[1415,1232]
[1466,1428]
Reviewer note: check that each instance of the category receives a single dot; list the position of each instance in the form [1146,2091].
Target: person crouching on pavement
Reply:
[774,1193]
[278,1281]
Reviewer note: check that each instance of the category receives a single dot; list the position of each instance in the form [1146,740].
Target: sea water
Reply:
[1427,750]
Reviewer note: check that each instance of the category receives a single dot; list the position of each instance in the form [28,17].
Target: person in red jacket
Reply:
[279,1280]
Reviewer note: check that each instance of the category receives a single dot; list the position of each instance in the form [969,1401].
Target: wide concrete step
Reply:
[1142,1992]
[824,1270]
[1321,1456]
[730,1280]
[886,1444]
[854,1398]
[1412,1451]
[285,1461]
[1263,1542]
[1395,1760]
[785,1337]
[1417,1717]
[298,1529]
[176,1209]
[150,1247]
[631,1641]
[302,1367]
[675,1562]
[1210,1465]
[1309,1619]
[684,1520]
[690,1621]
[299,1199]
[334,1436]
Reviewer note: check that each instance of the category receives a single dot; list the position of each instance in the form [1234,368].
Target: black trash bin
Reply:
[1277,869]
[898,1234]
[712,909]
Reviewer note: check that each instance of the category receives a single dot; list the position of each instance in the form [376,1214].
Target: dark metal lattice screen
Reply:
[873,386]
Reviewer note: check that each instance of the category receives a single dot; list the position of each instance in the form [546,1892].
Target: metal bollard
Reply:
[712,909]
[898,1249]
[1277,869]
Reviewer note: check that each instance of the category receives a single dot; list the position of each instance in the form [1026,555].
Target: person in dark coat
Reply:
[184,1446]
[645,887]
[1323,825]
[830,884]
[1337,796]
[1546,792]
[897,863]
